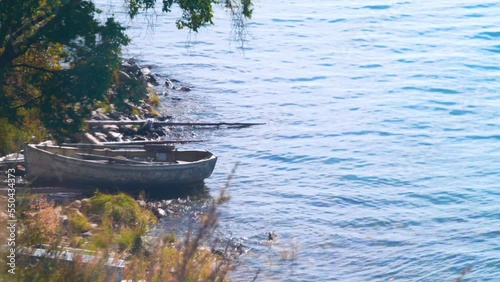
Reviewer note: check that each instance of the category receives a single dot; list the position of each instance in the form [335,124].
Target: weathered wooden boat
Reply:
[152,166]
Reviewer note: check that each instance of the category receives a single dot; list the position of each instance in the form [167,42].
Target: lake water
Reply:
[380,159]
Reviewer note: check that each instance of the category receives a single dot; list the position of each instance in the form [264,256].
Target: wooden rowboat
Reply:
[153,166]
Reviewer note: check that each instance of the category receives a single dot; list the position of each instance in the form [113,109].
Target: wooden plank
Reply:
[111,159]
[103,146]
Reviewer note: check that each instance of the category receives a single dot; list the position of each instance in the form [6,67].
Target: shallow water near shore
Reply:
[380,158]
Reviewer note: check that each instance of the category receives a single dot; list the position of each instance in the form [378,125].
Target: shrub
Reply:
[41,223]
[121,211]
[78,222]
[129,239]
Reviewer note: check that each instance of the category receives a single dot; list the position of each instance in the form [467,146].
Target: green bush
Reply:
[121,211]
[78,222]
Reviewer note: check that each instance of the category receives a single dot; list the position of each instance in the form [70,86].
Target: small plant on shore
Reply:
[121,211]
[41,222]
[122,219]
[153,98]
[78,223]
[169,238]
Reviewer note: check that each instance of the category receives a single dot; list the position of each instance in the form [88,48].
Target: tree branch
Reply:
[38,21]
[16,45]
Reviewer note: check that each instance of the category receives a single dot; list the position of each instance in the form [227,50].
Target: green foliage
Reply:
[195,13]
[57,57]
[14,135]
[128,239]
[132,89]
[78,222]
[121,211]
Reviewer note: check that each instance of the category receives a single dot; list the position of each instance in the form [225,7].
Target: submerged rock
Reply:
[183,88]
[272,236]
[145,71]
[169,84]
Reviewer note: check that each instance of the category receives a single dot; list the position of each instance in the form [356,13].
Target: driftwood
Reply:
[168,123]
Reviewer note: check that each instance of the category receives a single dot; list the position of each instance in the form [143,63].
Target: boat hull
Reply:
[44,166]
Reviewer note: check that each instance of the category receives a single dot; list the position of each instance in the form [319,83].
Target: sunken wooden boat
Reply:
[151,166]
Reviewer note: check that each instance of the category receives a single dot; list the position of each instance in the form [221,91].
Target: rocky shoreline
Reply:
[149,109]
[74,211]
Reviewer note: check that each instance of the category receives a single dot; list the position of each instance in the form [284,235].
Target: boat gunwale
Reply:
[155,165]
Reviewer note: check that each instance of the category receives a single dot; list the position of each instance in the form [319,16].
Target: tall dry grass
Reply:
[122,223]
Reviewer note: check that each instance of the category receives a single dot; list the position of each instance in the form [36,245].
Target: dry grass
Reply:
[40,224]
[123,222]
[192,260]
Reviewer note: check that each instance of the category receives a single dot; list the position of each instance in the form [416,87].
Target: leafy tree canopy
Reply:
[57,58]
[196,13]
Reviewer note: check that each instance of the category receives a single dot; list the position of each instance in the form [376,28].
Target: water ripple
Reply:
[380,152]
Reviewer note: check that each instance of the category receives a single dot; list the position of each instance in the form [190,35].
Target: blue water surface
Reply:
[380,159]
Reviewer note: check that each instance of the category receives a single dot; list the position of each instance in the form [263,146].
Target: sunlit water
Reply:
[380,159]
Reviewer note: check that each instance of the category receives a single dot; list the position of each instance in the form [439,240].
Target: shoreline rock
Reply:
[131,70]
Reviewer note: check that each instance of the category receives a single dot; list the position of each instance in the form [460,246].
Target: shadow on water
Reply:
[67,193]
[195,190]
